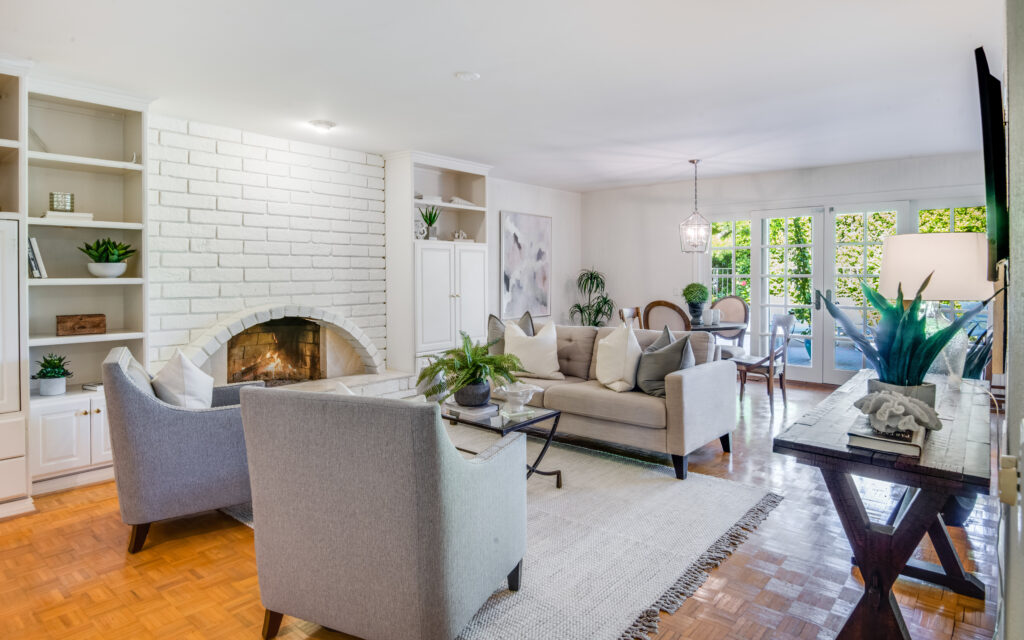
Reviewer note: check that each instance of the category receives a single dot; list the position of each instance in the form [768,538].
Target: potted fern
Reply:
[52,375]
[696,295]
[430,216]
[467,371]
[108,257]
[598,307]
[902,351]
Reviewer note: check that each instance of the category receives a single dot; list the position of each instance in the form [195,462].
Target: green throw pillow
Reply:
[496,331]
[664,356]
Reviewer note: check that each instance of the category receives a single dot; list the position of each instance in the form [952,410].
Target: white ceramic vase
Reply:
[52,386]
[107,269]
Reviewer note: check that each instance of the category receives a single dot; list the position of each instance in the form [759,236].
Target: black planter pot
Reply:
[474,395]
[696,311]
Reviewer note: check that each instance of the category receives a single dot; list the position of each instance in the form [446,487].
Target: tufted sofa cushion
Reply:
[576,350]
[702,343]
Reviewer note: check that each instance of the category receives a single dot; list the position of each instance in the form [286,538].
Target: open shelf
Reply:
[46,160]
[8,144]
[448,205]
[85,224]
[110,336]
[83,282]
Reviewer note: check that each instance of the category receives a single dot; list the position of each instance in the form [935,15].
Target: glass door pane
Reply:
[788,275]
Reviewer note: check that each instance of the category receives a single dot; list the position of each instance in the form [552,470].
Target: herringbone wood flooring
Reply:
[65,573]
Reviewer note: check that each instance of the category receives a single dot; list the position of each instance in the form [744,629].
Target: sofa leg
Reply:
[726,441]
[271,624]
[679,462]
[137,538]
[515,577]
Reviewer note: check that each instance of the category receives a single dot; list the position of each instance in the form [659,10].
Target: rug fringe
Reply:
[697,573]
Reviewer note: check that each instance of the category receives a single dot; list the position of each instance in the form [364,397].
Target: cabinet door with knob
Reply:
[60,436]
[471,289]
[101,451]
[435,296]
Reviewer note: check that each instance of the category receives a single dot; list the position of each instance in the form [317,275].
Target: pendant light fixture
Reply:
[695,231]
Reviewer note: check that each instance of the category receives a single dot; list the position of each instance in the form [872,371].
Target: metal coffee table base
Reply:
[535,467]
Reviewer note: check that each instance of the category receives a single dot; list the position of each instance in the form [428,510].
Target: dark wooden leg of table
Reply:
[881,552]
[532,468]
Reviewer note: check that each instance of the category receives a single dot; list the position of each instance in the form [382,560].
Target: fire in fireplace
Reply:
[279,352]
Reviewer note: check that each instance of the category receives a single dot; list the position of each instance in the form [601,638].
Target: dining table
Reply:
[720,326]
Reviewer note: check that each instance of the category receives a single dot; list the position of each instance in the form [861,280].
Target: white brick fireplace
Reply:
[243,223]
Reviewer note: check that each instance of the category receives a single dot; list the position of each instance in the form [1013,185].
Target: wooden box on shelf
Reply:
[81,324]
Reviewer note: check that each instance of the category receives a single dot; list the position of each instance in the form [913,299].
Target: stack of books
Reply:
[470,413]
[904,443]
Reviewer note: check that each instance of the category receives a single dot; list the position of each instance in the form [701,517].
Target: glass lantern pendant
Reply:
[695,231]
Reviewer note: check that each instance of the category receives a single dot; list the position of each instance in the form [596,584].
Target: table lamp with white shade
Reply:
[958,263]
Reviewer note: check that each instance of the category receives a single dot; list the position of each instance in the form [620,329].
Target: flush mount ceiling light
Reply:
[467,76]
[695,231]
[323,126]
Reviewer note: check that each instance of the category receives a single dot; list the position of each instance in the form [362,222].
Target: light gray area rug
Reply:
[621,540]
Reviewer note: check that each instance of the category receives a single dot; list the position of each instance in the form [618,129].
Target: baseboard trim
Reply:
[17,507]
[73,480]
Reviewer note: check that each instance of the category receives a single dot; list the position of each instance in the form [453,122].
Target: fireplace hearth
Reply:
[279,352]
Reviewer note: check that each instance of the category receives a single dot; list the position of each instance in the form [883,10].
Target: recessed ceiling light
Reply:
[322,126]
[467,76]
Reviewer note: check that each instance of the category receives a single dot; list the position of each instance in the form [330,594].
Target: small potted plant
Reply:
[696,295]
[599,307]
[430,216]
[108,257]
[466,373]
[902,351]
[52,375]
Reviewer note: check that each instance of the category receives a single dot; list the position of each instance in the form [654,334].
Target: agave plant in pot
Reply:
[696,295]
[467,371]
[901,351]
[108,257]
[52,375]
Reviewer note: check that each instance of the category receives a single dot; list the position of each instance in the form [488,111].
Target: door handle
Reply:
[818,296]
[97,411]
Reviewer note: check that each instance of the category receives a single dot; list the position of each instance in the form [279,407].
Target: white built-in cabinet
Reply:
[435,288]
[451,294]
[68,434]
[10,352]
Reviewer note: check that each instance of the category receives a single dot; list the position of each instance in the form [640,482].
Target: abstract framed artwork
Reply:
[525,264]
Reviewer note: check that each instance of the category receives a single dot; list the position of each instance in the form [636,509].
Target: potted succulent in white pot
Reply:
[108,257]
[430,216]
[52,375]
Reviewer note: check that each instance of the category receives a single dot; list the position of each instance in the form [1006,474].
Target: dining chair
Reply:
[661,313]
[734,309]
[629,314]
[773,364]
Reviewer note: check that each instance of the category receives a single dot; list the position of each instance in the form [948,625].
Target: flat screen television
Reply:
[993,135]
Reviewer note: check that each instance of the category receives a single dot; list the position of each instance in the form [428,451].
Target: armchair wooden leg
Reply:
[679,463]
[782,385]
[743,383]
[771,394]
[726,443]
[515,577]
[137,538]
[271,624]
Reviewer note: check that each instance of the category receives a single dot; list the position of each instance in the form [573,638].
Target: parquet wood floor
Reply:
[64,572]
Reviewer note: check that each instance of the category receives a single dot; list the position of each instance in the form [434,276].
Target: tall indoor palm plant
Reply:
[598,307]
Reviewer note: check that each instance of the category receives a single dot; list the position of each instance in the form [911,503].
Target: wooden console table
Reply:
[956,461]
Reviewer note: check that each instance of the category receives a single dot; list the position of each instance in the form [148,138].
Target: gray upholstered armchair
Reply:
[368,520]
[170,461]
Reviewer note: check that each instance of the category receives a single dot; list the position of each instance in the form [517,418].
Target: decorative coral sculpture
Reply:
[891,412]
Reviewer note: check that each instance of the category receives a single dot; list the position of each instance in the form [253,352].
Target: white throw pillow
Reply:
[618,355]
[183,384]
[539,353]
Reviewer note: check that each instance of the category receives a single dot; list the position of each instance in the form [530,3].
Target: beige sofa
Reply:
[700,402]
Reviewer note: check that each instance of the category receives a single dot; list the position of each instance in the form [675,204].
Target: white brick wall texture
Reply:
[240,220]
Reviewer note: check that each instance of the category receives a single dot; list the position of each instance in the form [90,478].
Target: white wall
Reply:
[631,234]
[241,220]
[564,208]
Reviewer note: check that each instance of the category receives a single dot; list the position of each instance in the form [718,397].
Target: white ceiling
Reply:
[575,94]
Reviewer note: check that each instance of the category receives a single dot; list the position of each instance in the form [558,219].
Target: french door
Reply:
[806,250]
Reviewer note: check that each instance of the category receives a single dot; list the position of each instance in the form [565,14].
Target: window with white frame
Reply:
[730,259]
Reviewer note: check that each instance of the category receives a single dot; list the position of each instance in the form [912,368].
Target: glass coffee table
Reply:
[504,426]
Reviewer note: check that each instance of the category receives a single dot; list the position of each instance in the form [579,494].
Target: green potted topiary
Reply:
[696,295]
[108,257]
[466,373]
[52,375]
